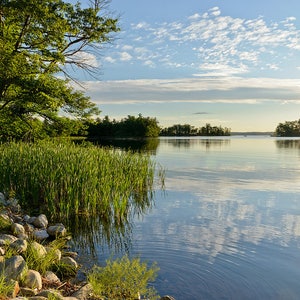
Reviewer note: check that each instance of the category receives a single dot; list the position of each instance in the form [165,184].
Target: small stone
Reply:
[40,234]
[39,249]
[51,277]
[27,292]
[26,218]
[69,261]
[31,220]
[17,229]
[15,288]
[6,239]
[2,199]
[19,245]
[41,221]
[57,230]
[56,253]
[33,280]
[48,293]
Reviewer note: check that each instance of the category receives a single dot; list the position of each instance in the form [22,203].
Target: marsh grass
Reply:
[6,287]
[77,179]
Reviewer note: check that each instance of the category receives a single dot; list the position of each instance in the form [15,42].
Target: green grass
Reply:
[123,279]
[77,179]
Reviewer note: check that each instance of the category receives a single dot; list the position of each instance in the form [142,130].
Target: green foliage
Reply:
[288,129]
[188,130]
[128,127]
[123,279]
[6,287]
[39,39]
[42,262]
[65,179]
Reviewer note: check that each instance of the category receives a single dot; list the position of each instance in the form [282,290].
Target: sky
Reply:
[229,63]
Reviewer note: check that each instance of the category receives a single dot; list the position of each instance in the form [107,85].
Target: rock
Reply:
[28,228]
[15,288]
[33,280]
[26,218]
[51,293]
[51,277]
[57,230]
[27,292]
[2,251]
[69,261]
[39,249]
[41,221]
[20,245]
[56,253]
[14,267]
[167,298]
[14,205]
[5,221]
[6,239]
[31,220]
[2,199]
[40,235]
[17,229]
[83,293]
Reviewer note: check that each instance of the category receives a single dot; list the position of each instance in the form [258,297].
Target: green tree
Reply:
[288,128]
[38,40]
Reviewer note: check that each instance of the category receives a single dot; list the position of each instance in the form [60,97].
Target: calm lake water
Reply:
[228,224]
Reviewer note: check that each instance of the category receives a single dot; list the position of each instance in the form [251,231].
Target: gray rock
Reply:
[69,261]
[6,239]
[41,221]
[83,293]
[40,235]
[20,245]
[28,228]
[57,230]
[33,280]
[40,249]
[51,277]
[167,298]
[31,220]
[56,253]
[2,199]
[49,293]
[26,218]
[27,292]
[14,267]
[17,229]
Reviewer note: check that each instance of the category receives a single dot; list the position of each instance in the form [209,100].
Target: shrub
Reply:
[123,279]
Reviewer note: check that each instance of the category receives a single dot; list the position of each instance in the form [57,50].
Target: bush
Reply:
[123,279]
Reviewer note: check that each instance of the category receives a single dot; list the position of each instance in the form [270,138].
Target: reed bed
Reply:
[67,179]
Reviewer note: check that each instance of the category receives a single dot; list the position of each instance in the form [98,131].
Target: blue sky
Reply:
[230,63]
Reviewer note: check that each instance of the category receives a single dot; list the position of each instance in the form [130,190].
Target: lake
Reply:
[227,225]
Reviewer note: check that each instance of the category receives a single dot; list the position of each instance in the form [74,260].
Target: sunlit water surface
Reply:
[228,224]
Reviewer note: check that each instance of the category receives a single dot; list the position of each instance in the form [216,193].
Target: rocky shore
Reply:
[18,234]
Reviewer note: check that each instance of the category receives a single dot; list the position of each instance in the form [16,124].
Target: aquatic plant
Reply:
[64,179]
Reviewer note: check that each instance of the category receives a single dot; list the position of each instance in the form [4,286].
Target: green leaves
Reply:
[37,40]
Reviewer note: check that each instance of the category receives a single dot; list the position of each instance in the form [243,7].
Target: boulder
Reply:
[40,235]
[14,267]
[167,298]
[83,293]
[51,293]
[20,245]
[69,261]
[41,221]
[33,280]
[51,277]
[17,229]
[57,230]
[39,249]
[6,239]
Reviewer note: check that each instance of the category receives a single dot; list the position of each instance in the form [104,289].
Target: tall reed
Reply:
[70,179]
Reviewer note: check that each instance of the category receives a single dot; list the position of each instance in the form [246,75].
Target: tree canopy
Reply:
[288,128]
[38,40]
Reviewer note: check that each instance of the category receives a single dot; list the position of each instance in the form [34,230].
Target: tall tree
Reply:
[38,40]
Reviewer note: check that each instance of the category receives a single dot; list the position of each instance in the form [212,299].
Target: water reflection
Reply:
[288,143]
[144,145]
[196,142]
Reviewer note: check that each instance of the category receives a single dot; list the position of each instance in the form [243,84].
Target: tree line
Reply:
[288,129]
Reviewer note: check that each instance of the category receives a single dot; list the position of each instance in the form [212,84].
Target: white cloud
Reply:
[86,59]
[125,56]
